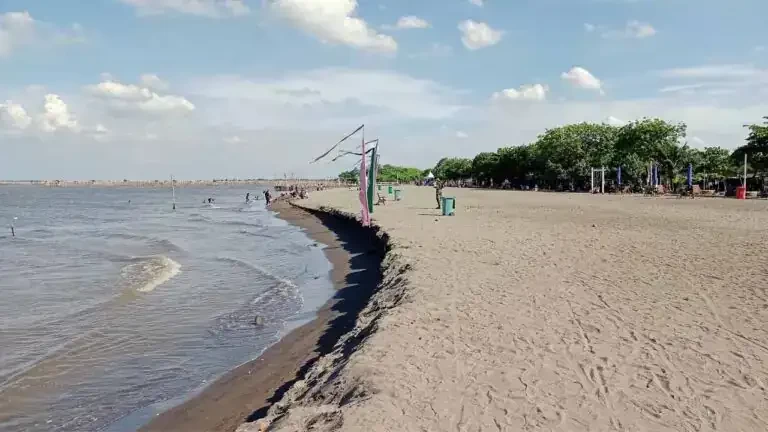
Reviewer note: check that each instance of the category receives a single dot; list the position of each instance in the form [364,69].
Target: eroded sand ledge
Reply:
[537,311]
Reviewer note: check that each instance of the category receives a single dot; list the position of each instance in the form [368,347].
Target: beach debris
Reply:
[258,320]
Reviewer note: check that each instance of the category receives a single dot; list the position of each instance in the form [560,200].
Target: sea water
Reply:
[113,306]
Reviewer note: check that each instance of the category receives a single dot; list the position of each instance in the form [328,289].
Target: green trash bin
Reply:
[379,187]
[448,205]
[398,194]
[389,189]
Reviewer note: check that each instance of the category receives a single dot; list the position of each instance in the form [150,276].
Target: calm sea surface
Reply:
[114,307]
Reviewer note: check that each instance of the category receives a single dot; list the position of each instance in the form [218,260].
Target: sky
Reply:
[142,89]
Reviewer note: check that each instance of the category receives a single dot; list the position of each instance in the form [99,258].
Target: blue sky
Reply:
[204,88]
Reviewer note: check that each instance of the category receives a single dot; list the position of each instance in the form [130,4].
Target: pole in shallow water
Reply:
[173,191]
[13,229]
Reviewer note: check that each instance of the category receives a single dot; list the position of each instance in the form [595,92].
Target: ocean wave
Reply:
[258,269]
[148,273]
[277,304]
[164,245]
[241,224]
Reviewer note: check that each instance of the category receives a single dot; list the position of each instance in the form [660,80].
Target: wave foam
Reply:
[149,273]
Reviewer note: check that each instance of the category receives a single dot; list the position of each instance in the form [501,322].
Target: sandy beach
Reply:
[248,391]
[541,311]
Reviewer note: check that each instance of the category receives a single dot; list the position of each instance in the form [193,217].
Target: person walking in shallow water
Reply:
[438,192]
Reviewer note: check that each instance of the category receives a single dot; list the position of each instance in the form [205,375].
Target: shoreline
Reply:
[245,393]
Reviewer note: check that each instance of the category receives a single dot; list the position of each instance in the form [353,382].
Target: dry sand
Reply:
[551,312]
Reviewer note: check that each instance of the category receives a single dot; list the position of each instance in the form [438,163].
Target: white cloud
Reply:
[716,72]
[138,98]
[412,22]
[319,96]
[19,29]
[14,115]
[461,135]
[535,92]
[154,82]
[203,8]
[632,30]
[335,22]
[479,3]
[714,79]
[234,139]
[16,29]
[589,28]
[639,30]
[56,115]
[613,121]
[582,78]
[476,35]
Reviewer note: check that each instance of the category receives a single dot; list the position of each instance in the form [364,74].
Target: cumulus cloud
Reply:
[534,92]
[478,3]
[582,78]
[16,29]
[140,98]
[19,29]
[14,115]
[411,22]
[589,28]
[476,35]
[56,115]
[334,22]
[203,8]
[462,135]
[153,81]
[613,121]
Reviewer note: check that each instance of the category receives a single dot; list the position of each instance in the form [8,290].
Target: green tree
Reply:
[484,165]
[654,140]
[569,152]
[352,175]
[756,149]
[453,169]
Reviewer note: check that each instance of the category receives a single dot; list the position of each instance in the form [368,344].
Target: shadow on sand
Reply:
[366,250]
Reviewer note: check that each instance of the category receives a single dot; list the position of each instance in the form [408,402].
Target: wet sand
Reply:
[246,392]
[551,312]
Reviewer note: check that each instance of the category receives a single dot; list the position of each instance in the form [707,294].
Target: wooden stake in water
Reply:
[13,229]
[173,191]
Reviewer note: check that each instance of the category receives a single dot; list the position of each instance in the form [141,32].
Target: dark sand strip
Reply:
[246,393]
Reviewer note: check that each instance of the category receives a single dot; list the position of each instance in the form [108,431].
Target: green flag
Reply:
[372,179]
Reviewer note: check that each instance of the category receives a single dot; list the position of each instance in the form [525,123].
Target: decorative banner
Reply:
[372,180]
[337,144]
[365,217]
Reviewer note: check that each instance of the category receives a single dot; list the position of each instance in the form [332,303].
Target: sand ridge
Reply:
[567,312]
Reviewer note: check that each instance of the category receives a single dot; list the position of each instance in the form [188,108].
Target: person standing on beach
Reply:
[438,191]
[247,197]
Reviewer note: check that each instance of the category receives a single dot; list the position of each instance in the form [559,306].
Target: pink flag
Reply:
[365,216]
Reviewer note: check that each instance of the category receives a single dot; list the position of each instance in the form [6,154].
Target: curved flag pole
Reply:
[338,143]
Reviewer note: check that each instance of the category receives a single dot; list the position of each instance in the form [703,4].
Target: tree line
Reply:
[388,174]
[562,158]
